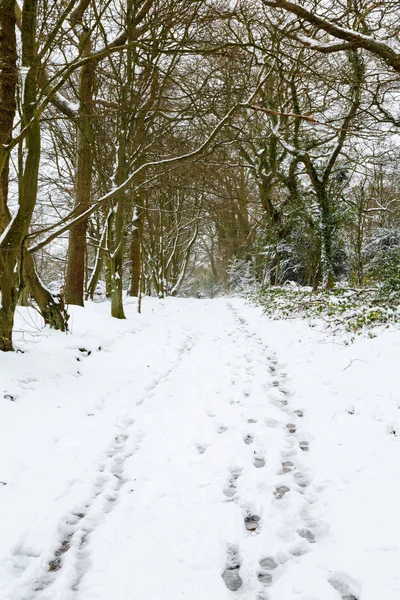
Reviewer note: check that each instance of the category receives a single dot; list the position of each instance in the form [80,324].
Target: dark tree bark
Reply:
[52,308]
[8,83]
[136,257]
[13,254]
[75,278]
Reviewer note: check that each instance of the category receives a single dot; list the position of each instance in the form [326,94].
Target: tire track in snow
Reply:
[63,566]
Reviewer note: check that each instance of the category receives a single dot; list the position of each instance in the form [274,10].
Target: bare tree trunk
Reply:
[117,226]
[13,239]
[75,278]
[185,263]
[116,262]
[136,254]
[327,230]
[8,83]
[116,229]
[98,263]
[13,254]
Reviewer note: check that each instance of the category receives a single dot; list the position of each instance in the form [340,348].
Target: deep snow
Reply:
[158,457]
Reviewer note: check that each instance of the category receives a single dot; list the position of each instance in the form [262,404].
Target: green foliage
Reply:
[342,309]
[386,270]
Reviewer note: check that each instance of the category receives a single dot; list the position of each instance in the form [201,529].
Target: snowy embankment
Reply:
[195,449]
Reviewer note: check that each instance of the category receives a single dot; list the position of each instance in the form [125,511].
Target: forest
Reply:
[192,147]
[199,299]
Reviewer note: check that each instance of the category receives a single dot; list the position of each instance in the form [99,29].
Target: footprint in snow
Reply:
[346,586]
[56,562]
[301,480]
[268,563]
[231,575]
[85,351]
[280,491]
[287,466]
[230,489]
[248,439]
[265,577]
[235,402]
[258,461]
[252,522]
[307,535]
[300,551]
[201,448]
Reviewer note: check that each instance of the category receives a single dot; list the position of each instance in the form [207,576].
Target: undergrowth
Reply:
[343,309]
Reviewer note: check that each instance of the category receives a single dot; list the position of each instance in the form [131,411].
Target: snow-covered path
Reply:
[176,462]
[204,453]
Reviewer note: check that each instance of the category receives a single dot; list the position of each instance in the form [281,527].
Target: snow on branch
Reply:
[71,220]
[353,38]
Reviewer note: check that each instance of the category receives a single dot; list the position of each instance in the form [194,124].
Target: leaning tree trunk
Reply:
[52,308]
[12,245]
[98,262]
[184,263]
[75,278]
[12,250]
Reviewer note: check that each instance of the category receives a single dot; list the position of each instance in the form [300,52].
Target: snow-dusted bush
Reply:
[382,240]
[383,256]
[342,309]
[242,278]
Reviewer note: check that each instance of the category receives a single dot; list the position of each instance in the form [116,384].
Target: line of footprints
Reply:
[267,565]
[231,575]
[342,583]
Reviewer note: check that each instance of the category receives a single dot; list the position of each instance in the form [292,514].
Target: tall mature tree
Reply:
[75,276]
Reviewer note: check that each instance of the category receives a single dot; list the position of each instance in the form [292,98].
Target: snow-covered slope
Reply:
[198,451]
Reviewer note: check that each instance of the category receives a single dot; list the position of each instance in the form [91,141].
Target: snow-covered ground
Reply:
[195,447]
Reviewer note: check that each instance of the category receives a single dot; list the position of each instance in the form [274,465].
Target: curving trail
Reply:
[203,490]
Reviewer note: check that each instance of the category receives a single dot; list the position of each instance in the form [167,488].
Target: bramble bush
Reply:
[342,309]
